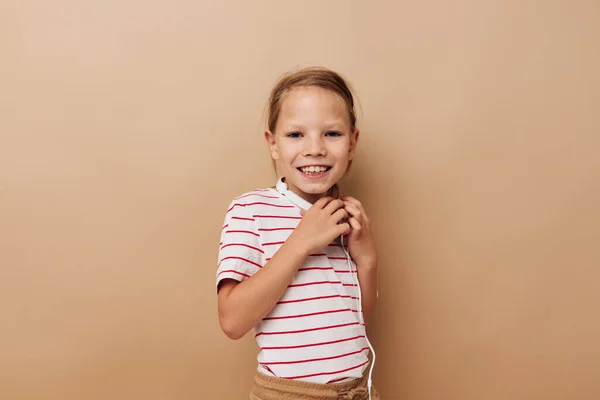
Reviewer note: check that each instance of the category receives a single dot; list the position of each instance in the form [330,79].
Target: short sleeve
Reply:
[240,250]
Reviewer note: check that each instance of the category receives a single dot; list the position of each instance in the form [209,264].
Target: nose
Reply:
[314,145]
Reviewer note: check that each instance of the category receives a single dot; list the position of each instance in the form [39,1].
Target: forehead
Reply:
[312,106]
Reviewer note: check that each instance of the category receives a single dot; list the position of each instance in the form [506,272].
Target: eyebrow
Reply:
[328,126]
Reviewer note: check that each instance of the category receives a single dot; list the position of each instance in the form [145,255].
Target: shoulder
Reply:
[256,195]
[256,198]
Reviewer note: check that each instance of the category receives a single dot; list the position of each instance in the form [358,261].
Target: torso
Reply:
[314,332]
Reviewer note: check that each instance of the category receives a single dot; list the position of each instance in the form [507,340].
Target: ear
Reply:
[353,143]
[270,138]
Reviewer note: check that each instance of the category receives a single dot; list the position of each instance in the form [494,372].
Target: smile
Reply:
[315,171]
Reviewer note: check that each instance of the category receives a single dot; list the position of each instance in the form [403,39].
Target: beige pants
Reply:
[272,388]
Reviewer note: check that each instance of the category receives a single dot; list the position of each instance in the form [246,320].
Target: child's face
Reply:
[313,130]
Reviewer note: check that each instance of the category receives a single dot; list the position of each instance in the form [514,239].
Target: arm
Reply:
[362,249]
[244,304]
[367,277]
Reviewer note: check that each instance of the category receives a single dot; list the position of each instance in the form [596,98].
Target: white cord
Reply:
[361,316]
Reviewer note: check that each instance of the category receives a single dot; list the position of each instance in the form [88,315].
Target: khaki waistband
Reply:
[273,388]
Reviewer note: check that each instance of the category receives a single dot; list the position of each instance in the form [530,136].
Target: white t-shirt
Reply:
[314,332]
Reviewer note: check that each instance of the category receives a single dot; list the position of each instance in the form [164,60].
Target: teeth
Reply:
[314,169]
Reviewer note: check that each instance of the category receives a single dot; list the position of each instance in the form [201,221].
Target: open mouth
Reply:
[314,171]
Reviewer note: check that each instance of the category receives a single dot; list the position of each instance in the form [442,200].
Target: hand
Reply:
[360,240]
[320,225]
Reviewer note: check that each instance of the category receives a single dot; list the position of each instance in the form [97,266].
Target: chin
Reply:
[314,189]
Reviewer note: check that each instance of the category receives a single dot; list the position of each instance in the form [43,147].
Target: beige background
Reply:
[127,127]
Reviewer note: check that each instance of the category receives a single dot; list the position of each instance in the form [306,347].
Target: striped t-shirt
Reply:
[314,332]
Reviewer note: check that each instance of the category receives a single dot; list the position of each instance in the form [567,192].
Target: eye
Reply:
[334,133]
[294,135]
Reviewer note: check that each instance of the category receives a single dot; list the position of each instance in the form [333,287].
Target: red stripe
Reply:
[306,330]
[315,283]
[243,244]
[257,195]
[314,268]
[315,359]
[308,315]
[350,284]
[276,216]
[243,219]
[239,258]
[337,258]
[340,271]
[275,229]
[311,255]
[224,226]
[270,370]
[317,298]
[273,243]
[327,373]
[335,380]
[311,344]
[240,231]
[256,203]
[235,272]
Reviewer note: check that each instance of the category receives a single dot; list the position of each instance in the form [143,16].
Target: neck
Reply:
[301,199]
[312,198]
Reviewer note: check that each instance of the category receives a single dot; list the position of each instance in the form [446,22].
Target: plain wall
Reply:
[127,127]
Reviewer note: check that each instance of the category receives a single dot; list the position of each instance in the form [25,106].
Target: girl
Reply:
[297,263]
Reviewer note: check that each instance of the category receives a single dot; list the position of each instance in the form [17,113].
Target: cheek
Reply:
[288,153]
[342,153]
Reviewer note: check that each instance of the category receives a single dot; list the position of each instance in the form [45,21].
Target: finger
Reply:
[343,229]
[353,210]
[354,224]
[349,198]
[352,200]
[358,204]
[323,201]
[334,205]
[339,215]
